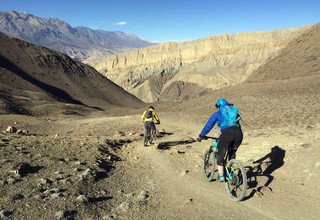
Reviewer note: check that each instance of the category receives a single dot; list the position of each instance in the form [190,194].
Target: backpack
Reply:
[148,114]
[230,116]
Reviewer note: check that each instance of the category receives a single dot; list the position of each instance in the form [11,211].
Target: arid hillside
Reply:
[34,78]
[284,91]
[170,71]
[301,58]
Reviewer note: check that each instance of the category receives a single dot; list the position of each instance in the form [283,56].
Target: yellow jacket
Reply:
[145,117]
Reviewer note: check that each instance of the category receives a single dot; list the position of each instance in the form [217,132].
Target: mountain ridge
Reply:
[204,64]
[80,43]
[33,77]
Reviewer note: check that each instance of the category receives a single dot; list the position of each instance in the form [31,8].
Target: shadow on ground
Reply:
[164,133]
[25,168]
[168,144]
[107,158]
[265,166]
[99,199]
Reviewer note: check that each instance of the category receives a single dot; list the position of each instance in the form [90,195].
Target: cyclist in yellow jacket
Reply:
[148,117]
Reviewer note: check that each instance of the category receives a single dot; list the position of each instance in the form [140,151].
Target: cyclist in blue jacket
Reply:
[231,134]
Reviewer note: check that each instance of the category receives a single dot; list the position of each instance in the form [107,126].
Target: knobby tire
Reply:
[209,164]
[147,136]
[236,187]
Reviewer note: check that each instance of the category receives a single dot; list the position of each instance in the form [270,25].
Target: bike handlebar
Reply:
[206,138]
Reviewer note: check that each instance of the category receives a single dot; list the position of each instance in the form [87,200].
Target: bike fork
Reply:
[229,176]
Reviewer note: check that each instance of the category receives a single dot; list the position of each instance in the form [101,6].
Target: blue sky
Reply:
[174,20]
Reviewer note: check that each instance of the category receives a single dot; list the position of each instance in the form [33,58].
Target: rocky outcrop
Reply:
[209,63]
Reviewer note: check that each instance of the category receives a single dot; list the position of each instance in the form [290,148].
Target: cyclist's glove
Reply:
[199,138]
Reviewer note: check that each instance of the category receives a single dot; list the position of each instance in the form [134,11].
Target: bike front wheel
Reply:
[236,183]
[209,164]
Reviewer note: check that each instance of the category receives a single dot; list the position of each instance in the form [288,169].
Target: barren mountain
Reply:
[290,82]
[200,65]
[301,58]
[34,77]
[80,43]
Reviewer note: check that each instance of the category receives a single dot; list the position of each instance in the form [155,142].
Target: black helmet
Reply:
[151,107]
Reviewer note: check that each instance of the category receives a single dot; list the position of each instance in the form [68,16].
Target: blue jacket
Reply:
[215,118]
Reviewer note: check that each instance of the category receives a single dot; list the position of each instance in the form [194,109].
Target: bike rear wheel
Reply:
[147,136]
[145,140]
[236,183]
[209,164]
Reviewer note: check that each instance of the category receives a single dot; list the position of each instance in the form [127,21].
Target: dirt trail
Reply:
[182,193]
[162,181]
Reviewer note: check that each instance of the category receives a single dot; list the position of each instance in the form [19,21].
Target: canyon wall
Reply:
[176,71]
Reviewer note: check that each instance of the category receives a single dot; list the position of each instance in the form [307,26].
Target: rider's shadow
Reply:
[265,167]
[160,134]
[168,144]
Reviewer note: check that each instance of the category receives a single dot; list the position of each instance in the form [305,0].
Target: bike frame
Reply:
[230,171]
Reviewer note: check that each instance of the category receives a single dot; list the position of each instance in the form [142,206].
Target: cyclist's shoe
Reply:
[221,179]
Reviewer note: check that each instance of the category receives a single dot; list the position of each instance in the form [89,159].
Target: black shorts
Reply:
[229,140]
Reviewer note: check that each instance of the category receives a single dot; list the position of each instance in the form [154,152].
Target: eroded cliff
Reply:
[185,70]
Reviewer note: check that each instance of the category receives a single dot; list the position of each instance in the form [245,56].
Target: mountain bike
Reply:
[235,174]
[148,137]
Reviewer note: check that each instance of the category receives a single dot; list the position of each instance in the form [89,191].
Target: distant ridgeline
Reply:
[80,43]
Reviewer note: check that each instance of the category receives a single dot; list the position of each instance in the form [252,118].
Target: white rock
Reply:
[184,172]
[55,195]
[82,199]
[119,133]
[143,195]
[11,129]
[60,214]
[4,213]
[11,180]
[125,206]
[306,171]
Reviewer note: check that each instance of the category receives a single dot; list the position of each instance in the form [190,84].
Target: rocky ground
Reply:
[96,167]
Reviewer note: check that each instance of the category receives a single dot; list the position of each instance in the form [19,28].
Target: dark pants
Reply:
[152,126]
[229,140]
